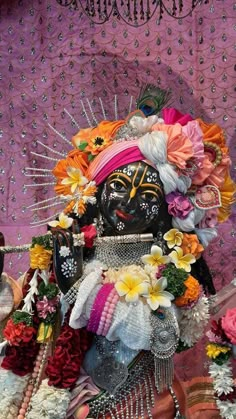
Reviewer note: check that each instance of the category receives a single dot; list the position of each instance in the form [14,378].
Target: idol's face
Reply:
[131,198]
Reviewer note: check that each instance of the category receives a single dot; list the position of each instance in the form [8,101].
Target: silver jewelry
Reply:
[71,295]
[115,252]
[163,342]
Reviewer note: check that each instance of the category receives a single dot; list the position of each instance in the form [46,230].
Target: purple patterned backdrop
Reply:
[52,57]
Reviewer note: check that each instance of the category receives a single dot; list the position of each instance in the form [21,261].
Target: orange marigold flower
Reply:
[190,244]
[191,293]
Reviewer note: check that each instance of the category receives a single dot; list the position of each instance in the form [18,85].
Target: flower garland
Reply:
[221,349]
[63,367]
[167,278]
[26,329]
[162,279]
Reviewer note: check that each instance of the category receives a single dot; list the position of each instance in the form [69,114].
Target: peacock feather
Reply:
[152,99]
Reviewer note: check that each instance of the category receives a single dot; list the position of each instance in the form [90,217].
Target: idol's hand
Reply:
[67,259]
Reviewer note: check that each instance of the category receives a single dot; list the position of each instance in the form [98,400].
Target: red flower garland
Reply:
[64,366]
[20,359]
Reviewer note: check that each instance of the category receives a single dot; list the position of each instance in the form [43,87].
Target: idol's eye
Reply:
[149,196]
[118,186]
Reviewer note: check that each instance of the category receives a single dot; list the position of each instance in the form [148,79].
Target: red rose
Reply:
[90,233]
[19,333]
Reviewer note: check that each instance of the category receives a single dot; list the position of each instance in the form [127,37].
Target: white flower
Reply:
[75,179]
[49,402]
[64,251]
[155,258]
[11,389]
[63,222]
[193,321]
[156,296]
[227,409]
[222,378]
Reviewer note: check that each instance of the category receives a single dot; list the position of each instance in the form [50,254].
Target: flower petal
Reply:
[156,251]
[132,296]
[53,223]
[147,259]
[121,288]
[153,302]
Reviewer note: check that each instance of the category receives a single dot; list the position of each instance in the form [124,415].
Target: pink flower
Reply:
[159,271]
[210,219]
[46,306]
[178,205]
[228,323]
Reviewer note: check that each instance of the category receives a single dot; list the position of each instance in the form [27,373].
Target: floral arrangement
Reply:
[198,167]
[164,279]
[28,330]
[221,351]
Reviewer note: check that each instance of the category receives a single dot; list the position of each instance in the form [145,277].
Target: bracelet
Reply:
[98,306]
[105,312]
[71,295]
[112,306]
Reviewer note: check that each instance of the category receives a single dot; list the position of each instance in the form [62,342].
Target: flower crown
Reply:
[190,155]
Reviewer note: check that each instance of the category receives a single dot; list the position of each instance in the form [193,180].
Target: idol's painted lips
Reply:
[123,215]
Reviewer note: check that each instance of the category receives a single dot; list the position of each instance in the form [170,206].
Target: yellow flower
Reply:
[214,350]
[131,286]
[75,178]
[39,257]
[156,257]
[63,222]
[44,333]
[181,261]
[156,295]
[173,237]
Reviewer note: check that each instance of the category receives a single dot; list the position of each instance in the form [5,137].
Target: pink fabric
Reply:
[117,155]
[172,116]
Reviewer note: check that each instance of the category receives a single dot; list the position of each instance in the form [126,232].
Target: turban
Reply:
[114,156]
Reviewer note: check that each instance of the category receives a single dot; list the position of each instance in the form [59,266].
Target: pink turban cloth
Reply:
[114,156]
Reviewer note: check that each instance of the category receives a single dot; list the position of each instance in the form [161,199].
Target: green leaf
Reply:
[50,290]
[22,317]
[222,358]
[42,241]
[90,157]
[83,145]
[175,280]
